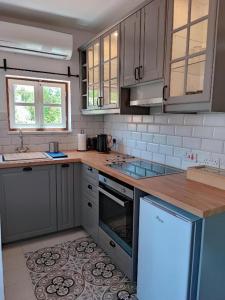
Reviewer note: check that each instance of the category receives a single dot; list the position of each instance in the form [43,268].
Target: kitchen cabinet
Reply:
[28,202]
[65,196]
[195,56]
[142,44]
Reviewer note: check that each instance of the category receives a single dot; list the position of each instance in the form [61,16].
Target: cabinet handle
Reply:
[164,92]
[90,187]
[100,102]
[140,72]
[90,204]
[112,244]
[136,72]
[90,169]
[65,166]
[27,169]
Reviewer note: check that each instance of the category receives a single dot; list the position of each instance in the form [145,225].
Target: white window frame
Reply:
[38,104]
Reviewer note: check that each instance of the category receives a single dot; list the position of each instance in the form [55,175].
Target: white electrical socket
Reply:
[215,163]
[191,156]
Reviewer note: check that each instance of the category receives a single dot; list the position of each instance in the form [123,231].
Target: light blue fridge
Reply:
[169,249]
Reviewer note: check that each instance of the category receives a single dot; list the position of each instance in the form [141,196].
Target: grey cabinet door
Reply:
[65,196]
[28,202]
[152,40]
[130,49]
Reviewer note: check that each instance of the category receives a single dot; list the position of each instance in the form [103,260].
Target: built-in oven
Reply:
[116,211]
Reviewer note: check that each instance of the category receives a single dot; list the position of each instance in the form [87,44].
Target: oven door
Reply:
[116,217]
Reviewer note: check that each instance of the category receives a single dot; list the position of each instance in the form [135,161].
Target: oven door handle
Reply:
[117,200]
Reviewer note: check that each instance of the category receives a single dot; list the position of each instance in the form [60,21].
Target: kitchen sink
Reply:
[8,157]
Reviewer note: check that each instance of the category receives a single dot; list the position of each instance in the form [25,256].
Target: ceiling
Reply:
[92,15]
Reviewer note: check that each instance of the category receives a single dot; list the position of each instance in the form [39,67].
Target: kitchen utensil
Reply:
[53,147]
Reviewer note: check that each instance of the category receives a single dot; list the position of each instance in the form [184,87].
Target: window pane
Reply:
[198,37]
[199,8]
[114,92]
[106,92]
[96,94]
[195,76]
[106,48]
[96,74]
[90,95]
[90,57]
[96,54]
[179,44]
[52,95]
[24,115]
[114,38]
[180,16]
[52,115]
[90,76]
[177,79]
[113,68]
[23,93]
[106,71]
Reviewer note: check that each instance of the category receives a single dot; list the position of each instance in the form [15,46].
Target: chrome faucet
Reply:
[21,148]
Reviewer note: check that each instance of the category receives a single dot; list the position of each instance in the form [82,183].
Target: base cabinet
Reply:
[28,202]
[65,196]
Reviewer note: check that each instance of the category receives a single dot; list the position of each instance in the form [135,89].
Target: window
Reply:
[36,104]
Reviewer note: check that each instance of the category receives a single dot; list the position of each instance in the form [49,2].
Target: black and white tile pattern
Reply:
[77,270]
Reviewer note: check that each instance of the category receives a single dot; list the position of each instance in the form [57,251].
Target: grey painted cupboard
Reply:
[65,196]
[142,44]
[28,202]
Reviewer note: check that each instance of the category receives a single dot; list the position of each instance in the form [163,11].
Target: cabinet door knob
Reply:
[136,73]
[90,204]
[112,244]
[140,72]
[90,187]
[164,92]
[27,169]
[65,166]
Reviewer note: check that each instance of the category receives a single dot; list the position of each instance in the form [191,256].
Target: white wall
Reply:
[92,125]
[169,138]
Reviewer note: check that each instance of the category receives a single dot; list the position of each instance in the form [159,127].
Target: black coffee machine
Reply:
[103,143]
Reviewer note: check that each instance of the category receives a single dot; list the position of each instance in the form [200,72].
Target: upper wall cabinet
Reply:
[142,44]
[194,39]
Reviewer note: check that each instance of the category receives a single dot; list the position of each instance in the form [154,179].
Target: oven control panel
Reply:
[129,192]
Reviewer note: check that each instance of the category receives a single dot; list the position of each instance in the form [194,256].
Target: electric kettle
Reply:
[104,143]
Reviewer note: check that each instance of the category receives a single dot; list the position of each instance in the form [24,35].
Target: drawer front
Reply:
[90,172]
[90,189]
[118,255]
[89,197]
[90,218]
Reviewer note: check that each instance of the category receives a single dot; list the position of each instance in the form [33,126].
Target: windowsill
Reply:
[41,132]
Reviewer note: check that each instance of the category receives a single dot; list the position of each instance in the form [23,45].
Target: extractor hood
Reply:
[147,95]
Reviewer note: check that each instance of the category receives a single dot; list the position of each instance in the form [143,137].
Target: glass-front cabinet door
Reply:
[110,69]
[190,57]
[93,75]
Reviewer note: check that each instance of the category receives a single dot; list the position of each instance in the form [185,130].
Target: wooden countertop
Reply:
[196,198]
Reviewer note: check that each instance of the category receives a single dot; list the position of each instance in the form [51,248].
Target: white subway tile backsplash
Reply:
[137,119]
[161,119]
[183,130]
[147,137]
[146,155]
[193,120]
[173,161]
[160,158]
[167,129]
[165,149]
[153,128]
[214,119]
[219,133]
[136,135]
[203,132]
[141,145]
[212,145]
[148,119]
[159,139]
[174,140]
[151,147]
[192,143]
[142,127]
[177,119]
[132,127]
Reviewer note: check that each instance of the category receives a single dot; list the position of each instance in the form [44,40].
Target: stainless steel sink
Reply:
[8,157]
